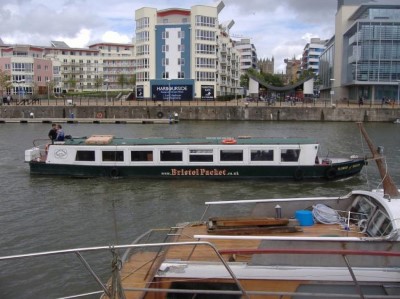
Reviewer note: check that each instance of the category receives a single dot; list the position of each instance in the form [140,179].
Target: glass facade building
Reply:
[362,59]
[371,53]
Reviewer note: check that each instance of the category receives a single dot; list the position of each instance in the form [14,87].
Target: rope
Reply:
[386,172]
[116,284]
[365,155]
[326,215]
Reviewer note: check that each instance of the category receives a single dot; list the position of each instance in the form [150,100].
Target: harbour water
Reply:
[49,213]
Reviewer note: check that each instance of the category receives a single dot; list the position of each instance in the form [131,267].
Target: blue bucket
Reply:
[304,217]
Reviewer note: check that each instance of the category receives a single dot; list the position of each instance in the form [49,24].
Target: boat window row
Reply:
[194,155]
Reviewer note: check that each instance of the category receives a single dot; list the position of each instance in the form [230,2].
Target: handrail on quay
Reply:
[244,102]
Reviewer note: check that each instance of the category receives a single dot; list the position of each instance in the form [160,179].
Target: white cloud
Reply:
[277,28]
[80,40]
[115,37]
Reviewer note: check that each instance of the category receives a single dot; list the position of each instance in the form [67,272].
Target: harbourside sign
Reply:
[207,92]
[172,92]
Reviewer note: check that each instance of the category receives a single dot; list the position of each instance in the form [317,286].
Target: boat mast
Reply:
[389,186]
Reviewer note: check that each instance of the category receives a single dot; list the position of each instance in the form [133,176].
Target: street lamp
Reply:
[332,92]
[106,81]
[19,88]
[169,90]
[48,92]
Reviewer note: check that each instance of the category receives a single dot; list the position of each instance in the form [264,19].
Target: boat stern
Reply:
[32,154]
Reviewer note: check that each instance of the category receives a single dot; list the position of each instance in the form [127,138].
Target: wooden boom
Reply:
[389,186]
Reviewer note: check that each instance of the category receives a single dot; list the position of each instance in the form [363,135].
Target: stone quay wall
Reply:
[196,112]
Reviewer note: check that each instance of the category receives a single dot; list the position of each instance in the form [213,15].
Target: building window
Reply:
[142,23]
[165,48]
[181,61]
[181,75]
[181,34]
[165,75]
[181,48]
[165,34]
[205,21]
[205,62]
[205,35]
[165,61]
[205,76]
[142,36]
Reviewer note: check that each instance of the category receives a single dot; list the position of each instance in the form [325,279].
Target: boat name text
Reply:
[200,172]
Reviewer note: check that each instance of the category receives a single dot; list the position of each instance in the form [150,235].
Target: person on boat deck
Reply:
[60,133]
[53,132]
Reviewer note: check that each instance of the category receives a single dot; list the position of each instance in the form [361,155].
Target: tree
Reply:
[98,82]
[272,79]
[71,83]
[244,81]
[132,81]
[121,80]
[307,74]
[5,81]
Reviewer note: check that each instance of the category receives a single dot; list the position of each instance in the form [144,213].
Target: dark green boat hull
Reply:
[319,171]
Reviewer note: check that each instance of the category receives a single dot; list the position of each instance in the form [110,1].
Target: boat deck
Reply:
[138,271]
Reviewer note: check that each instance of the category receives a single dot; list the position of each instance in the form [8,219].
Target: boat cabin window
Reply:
[231,155]
[140,156]
[290,155]
[203,155]
[113,156]
[216,286]
[85,156]
[262,155]
[379,225]
[362,208]
[171,155]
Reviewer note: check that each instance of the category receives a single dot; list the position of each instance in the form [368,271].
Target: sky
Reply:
[277,28]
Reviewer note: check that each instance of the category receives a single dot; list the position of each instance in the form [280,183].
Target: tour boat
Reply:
[308,247]
[212,157]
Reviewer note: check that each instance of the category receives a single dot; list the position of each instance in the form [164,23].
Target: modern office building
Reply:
[311,53]
[183,54]
[363,58]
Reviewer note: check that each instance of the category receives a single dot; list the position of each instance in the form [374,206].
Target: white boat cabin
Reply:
[107,150]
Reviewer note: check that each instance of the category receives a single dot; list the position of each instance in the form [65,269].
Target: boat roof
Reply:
[241,140]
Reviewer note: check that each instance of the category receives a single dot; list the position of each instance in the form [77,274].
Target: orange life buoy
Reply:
[229,141]
[99,115]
